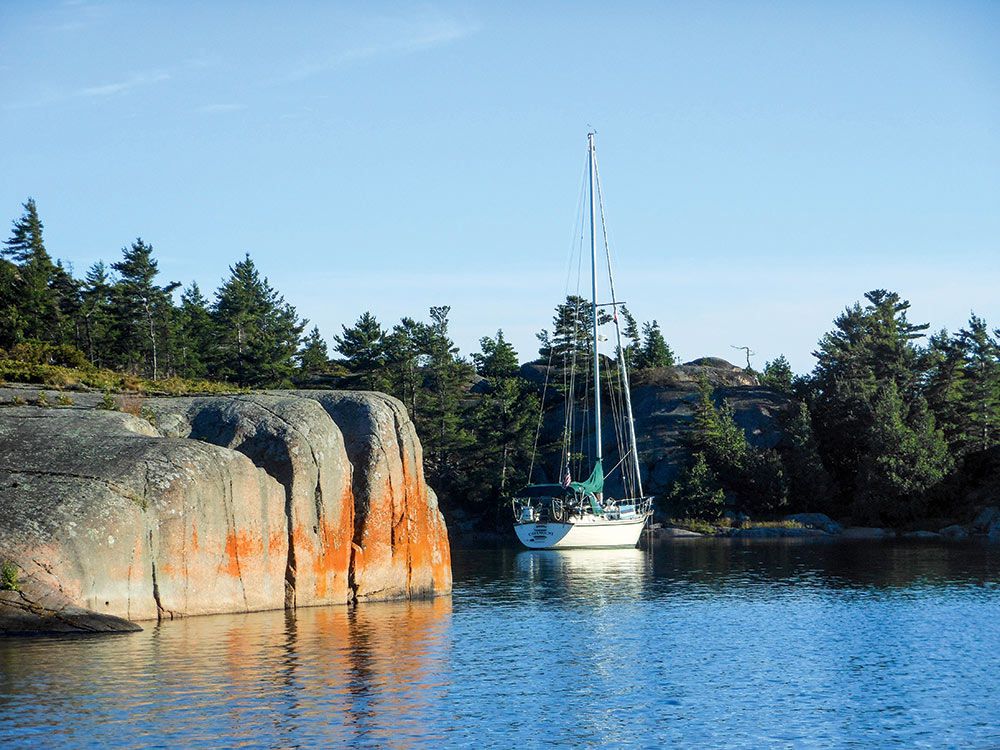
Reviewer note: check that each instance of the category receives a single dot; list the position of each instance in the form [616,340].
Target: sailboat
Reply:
[571,514]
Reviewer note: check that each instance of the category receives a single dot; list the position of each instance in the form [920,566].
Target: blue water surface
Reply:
[694,643]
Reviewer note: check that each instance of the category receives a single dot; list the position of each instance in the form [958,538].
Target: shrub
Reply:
[130,403]
[56,376]
[42,400]
[64,399]
[107,402]
[43,353]
[697,493]
[9,577]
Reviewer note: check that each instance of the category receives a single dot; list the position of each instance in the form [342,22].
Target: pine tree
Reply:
[11,321]
[445,379]
[498,359]
[655,351]
[364,348]
[869,347]
[96,315]
[38,316]
[903,457]
[777,374]
[980,404]
[503,422]
[66,292]
[402,363]
[26,244]
[716,434]
[196,335]
[142,311]
[698,492]
[572,333]
[633,345]
[809,483]
[258,332]
[755,476]
[944,362]
[313,357]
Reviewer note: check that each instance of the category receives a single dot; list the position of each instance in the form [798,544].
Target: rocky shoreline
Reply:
[986,525]
[209,504]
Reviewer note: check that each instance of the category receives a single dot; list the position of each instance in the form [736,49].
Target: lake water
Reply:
[696,643]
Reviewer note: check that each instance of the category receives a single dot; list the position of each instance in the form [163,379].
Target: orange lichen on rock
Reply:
[231,504]
[240,545]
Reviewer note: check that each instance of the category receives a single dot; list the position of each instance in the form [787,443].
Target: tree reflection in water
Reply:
[702,642]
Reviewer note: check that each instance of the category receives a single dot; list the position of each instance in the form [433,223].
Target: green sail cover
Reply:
[594,483]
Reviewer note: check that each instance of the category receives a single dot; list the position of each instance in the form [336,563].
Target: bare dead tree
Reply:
[749,353]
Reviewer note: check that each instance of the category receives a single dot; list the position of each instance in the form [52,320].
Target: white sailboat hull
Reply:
[587,532]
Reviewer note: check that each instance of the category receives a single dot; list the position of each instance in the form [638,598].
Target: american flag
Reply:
[567,479]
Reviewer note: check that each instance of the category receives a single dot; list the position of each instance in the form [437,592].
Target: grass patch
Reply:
[713,527]
[770,525]
[90,377]
[693,524]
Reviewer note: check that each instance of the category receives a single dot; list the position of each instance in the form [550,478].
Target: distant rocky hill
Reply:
[663,402]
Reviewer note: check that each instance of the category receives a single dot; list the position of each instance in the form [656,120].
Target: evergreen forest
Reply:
[894,423]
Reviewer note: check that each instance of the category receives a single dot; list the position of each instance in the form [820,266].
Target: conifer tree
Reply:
[944,363]
[196,335]
[980,403]
[698,493]
[655,351]
[258,333]
[777,374]
[66,295]
[503,421]
[96,314]
[38,315]
[11,322]
[755,476]
[142,311]
[902,458]
[870,347]
[313,357]
[572,333]
[364,348]
[717,435]
[633,342]
[402,363]
[809,483]
[440,419]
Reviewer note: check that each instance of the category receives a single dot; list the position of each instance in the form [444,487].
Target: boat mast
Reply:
[593,301]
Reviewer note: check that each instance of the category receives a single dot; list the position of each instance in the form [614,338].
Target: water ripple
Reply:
[695,644]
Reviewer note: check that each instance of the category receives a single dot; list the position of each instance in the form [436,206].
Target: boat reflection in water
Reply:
[598,575]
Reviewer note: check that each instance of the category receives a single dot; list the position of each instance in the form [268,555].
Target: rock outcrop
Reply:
[819,521]
[227,504]
[663,402]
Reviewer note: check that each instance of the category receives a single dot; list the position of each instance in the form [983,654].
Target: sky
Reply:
[764,164]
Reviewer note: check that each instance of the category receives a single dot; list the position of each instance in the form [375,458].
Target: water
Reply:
[699,643]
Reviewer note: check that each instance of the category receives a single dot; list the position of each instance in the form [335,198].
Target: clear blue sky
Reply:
[764,163]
